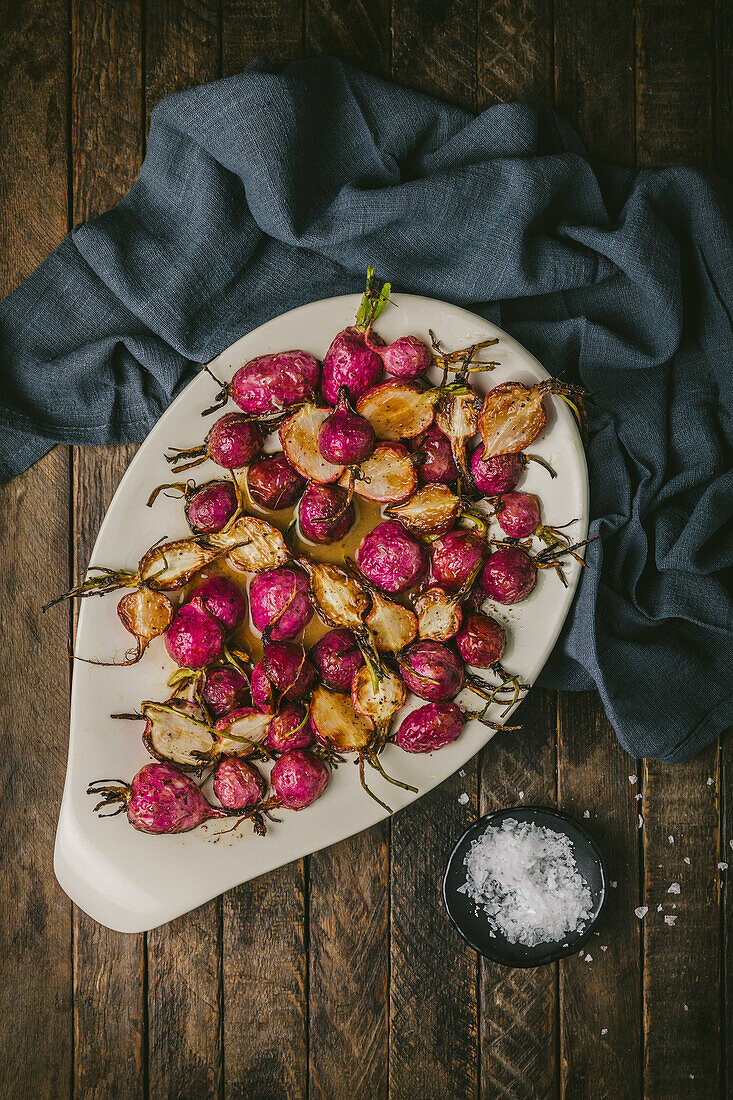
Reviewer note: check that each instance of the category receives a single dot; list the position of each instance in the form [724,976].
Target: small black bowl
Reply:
[474,926]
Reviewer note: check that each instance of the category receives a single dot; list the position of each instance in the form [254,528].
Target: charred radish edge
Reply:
[356,625]
[360,475]
[368,753]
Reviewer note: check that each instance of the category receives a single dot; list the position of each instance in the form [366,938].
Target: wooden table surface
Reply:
[339,976]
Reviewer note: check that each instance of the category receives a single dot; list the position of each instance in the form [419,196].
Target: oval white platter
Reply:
[130,881]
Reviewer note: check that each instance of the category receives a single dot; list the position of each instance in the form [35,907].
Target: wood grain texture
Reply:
[255,28]
[682,961]
[674,82]
[518,1008]
[357,31]
[184,1006]
[600,991]
[182,47]
[594,74]
[434,48]
[514,51]
[36,1038]
[349,968]
[110,1041]
[185,1019]
[265,987]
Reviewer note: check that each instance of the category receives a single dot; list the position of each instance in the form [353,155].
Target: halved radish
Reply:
[377,699]
[432,510]
[392,626]
[513,416]
[457,416]
[388,475]
[340,600]
[398,410]
[439,615]
[170,565]
[247,728]
[337,724]
[299,437]
[253,545]
[173,733]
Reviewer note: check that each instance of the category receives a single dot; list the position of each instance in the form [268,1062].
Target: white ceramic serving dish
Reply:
[130,881]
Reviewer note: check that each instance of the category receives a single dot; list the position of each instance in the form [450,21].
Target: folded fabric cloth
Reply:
[271,189]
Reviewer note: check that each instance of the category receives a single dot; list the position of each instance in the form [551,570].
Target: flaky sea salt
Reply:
[633,779]
[463,799]
[669,919]
[604,1031]
[525,878]
[722,866]
[641,911]
[674,888]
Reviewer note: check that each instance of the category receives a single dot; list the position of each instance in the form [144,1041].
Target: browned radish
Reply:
[513,415]
[299,437]
[337,724]
[252,545]
[457,415]
[392,626]
[398,410]
[377,699]
[388,475]
[432,510]
[340,600]
[176,731]
[439,615]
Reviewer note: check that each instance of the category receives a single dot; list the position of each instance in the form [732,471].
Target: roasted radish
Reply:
[298,778]
[337,658]
[387,476]
[251,545]
[513,416]
[160,799]
[391,558]
[432,510]
[279,602]
[299,437]
[398,410]
[273,482]
[232,442]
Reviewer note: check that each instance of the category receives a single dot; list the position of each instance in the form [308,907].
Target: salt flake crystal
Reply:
[525,878]
[633,779]
[641,911]
[462,773]
[638,797]
[604,947]
[670,838]
[521,795]
[686,859]
[463,798]
[674,888]
[723,866]
[614,884]
[604,1031]
[670,919]
[641,821]
[589,958]
[710,781]
[659,908]
[586,813]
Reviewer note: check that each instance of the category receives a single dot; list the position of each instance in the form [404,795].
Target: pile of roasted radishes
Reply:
[405,615]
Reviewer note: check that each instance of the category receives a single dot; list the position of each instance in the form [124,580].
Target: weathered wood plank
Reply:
[434,975]
[185,1058]
[357,31]
[594,74]
[674,84]
[434,48]
[255,29]
[110,1044]
[519,1007]
[600,991]
[514,51]
[265,987]
[36,1035]
[681,961]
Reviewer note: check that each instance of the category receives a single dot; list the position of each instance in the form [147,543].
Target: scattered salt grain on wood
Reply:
[589,958]
[670,919]
[614,884]
[686,859]
[604,1031]
[586,813]
[674,888]
[723,866]
[638,797]
[710,781]
[525,878]
[641,821]
[659,908]
[463,798]
[641,911]
[633,779]
[670,838]
[462,773]
[604,947]
[521,795]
